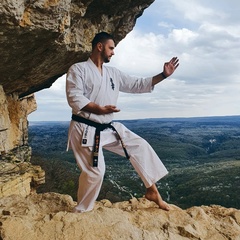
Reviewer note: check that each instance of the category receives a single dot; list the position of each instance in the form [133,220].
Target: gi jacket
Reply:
[85,84]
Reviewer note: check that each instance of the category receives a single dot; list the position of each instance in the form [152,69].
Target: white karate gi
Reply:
[85,84]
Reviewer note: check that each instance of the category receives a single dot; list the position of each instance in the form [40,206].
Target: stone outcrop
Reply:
[49,216]
[14,124]
[19,178]
[39,40]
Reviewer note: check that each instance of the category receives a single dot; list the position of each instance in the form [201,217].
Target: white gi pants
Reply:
[143,158]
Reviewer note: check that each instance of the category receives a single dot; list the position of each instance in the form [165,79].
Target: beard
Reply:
[104,56]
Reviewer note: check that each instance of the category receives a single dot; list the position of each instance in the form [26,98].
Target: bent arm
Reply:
[74,89]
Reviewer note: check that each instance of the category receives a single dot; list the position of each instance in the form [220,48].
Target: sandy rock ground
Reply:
[49,216]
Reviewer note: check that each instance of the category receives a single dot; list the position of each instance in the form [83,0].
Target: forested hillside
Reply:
[201,154]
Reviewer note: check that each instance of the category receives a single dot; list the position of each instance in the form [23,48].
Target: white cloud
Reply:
[183,36]
[165,25]
[195,11]
[139,54]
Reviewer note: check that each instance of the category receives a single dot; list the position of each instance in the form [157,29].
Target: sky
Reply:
[203,34]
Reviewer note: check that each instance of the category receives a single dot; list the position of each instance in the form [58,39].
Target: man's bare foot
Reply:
[152,194]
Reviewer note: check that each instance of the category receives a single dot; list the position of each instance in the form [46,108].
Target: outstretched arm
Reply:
[168,69]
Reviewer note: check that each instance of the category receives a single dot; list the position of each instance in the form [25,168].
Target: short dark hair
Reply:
[101,37]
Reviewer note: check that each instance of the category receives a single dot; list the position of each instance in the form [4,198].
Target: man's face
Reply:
[108,50]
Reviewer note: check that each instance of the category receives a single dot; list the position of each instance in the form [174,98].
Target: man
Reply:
[92,90]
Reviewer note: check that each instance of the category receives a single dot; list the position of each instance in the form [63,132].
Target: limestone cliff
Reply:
[14,125]
[41,39]
[19,178]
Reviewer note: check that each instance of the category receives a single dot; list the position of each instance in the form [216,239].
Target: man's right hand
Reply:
[110,109]
[100,110]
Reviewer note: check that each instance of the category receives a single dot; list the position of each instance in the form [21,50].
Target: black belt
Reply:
[99,127]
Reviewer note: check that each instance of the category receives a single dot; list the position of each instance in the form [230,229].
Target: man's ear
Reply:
[99,46]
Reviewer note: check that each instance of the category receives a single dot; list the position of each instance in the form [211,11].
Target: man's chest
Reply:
[96,83]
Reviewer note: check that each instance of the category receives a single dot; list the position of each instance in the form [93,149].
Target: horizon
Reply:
[157,118]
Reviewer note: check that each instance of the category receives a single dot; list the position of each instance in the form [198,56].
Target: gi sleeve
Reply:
[130,84]
[75,88]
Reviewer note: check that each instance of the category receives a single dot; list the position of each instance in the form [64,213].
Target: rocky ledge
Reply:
[49,217]
[19,178]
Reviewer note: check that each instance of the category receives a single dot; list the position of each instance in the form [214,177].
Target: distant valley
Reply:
[201,154]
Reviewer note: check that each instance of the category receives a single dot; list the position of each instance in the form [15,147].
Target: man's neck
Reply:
[98,62]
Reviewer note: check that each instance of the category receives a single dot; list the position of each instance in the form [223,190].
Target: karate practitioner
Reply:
[92,90]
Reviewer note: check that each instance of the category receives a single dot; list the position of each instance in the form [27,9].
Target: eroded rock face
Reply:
[14,124]
[49,216]
[19,178]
